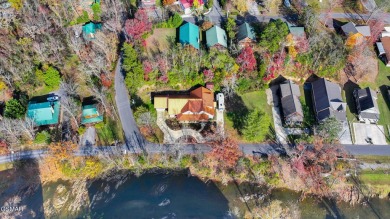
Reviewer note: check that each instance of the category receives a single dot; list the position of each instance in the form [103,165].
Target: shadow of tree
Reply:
[385,90]
[21,187]
[236,111]
[349,87]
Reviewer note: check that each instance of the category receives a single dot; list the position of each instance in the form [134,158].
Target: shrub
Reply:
[81,130]
[97,11]
[14,109]
[99,125]
[84,18]
[42,137]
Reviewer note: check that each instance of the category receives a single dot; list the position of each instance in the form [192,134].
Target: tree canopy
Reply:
[132,67]
[273,34]
[14,109]
[256,126]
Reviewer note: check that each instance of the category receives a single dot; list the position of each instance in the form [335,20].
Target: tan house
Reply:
[197,106]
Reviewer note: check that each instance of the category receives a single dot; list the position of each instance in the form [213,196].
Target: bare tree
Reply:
[71,109]
[27,127]
[229,86]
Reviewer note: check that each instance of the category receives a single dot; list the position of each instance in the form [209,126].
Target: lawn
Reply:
[382,79]
[377,177]
[373,159]
[158,41]
[257,100]
[243,103]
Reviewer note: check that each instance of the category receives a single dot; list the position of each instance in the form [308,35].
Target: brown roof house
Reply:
[384,46]
[197,106]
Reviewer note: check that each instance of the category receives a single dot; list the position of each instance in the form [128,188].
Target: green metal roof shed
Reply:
[296,31]
[216,35]
[45,113]
[89,30]
[245,30]
[90,114]
[189,34]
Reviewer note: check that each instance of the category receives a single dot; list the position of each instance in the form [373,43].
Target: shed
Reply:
[189,35]
[216,36]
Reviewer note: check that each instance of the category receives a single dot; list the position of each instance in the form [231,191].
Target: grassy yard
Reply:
[374,159]
[377,177]
[158,41]
[243,104]
[6,166]
[257,100]
[382,79]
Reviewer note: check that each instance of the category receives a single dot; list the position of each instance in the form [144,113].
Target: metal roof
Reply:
[44,113]
[216,35]
[327,100]
[189,34]
[245,31]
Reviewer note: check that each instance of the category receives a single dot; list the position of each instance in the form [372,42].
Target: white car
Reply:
[53,98]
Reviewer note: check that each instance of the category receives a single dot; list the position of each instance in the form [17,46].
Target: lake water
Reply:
[177,195]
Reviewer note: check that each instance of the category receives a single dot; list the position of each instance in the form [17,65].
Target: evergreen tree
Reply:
[273,34]
[14,109]
[256,126]
[132,67]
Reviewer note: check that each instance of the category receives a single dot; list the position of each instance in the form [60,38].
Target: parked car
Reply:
[53,98]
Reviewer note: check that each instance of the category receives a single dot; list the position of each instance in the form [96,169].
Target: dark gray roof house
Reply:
[327,100]
[291,106]
[366,104]
[350,29]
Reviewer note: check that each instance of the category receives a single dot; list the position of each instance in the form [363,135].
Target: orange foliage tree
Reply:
[224,154]
[168,2]
[315,164]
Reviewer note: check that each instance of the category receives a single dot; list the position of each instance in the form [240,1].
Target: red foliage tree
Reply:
[135,28]
[148,67]
[311,162]
[208,74]
[162,65]
[376,27]
[247,60]
[106,82]
[302,44]
[225,152]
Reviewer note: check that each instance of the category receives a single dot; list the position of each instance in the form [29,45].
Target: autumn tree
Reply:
[273,35]
[247,60]
[61,151]
[136,27]
[311,162]
[224,154]
[168,2]
[241,5]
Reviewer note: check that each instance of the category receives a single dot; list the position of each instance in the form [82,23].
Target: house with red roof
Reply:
[186,5]
[197,106]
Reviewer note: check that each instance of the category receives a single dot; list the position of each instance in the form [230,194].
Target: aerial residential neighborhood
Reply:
[195,109]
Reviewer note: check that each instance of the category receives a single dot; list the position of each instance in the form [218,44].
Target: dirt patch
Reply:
[158,41]
[368,75]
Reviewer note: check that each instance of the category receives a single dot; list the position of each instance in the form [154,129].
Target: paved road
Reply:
[217,15]
[133,137]
[151,148]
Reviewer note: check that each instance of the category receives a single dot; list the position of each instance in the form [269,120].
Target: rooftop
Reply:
[189,34]
[216,35]
[90,114]
[44,113]
[245,31]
